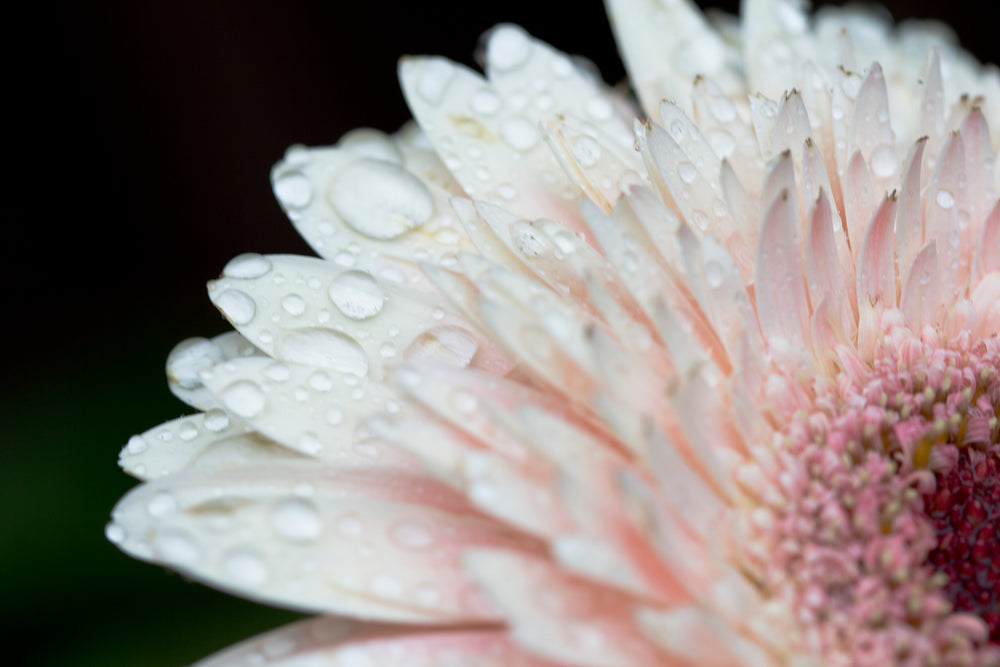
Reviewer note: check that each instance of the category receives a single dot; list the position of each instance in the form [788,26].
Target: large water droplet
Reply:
[325,348]
[356,294]
[189,358]
[508,48]
[216,420]
[412,535]
[449,345]
[884,161]
[435,77]
[370,143]
[687,172]
[945,199]
[293,304]
[296,519]
[484,103]
[237,305]
[245,566]
[519,133]
[381,200]
[161,504]
[244,398]
[293,189]
[586,151]
[175,547]
[247,266]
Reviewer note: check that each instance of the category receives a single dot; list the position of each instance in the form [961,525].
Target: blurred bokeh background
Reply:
[144,137]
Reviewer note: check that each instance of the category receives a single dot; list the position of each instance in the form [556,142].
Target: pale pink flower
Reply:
[716,387]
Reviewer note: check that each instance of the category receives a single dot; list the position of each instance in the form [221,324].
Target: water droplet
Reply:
[687,172]
[216,420]
[380,200]
[484,103]
[435,76]
[278,372]
[506,191]
[714,274]
[189,358]
[136,445]
[385,585]
[884,161]
[175,547]
[324,348]
[161,504]
[334,416]
[320,381]
[293,189]
[464,402]
[356,294]
[944,199]
[237,305]
[586,151]
[244,398]
[722,143]
[722,109]
[246,567]
[449,345]
[387,350]
[519,133]
[599,109]
[370,143]
[115,533]
[508,48]
[247,266]
[350,526]
[293,304]
[412,535]
[296,519]
[188,432]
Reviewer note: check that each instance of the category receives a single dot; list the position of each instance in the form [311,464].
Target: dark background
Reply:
[141,145]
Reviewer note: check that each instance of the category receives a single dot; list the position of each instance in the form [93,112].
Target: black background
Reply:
[140,146]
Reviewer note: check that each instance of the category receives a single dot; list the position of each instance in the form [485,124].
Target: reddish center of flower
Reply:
[965,510]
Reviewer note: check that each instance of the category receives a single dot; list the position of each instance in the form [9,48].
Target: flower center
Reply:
[964,510]
[878,513]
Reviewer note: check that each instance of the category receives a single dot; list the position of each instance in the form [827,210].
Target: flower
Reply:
[716,387]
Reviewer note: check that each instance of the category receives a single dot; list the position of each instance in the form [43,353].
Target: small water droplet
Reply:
[296,519]
[293,189]
[278,372]
[435,76]
[136,445]
[884,161]
[508,48]
[245,566]
[451,345]
[599,109]
[484,103]
[945,199]
[412,535]
[189,358]
[161,504]
[175,547]
[247,266]
[293,304]
[324,348]
[687,172]
[464,402]
[334,416]
[714,274]
[356,294]
[216,420]
[188,432]
[586,151]
[237,305]
[380,200]
[519,133]
[244,398]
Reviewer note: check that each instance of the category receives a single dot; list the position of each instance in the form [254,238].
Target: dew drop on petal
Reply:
[687,172]
[278,372]
[247,266]
[244,398]
[237,305]
[945,199]
[412,535]
[435,76]
[293,189]
[586,151]
[324,348]
[136,445]
[216,420]
[451,345]
[245,566]
[884,161]
[293,304]
[350,526]
[189,358]
[175,547]
[380,200]
[508,48]
[519,133]
[385,585]
[484,103]
[599,109]
[296,519]
[713,274]
[356,294]
[161,504]
[366,142]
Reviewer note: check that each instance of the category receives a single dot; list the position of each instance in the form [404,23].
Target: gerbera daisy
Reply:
[709,380]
